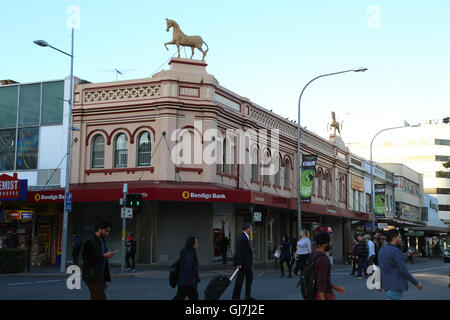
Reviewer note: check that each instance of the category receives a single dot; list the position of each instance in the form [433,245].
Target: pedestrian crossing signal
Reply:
[134,200]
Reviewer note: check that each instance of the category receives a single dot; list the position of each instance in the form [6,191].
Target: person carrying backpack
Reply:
[188,276]
[322,269]
[363,253]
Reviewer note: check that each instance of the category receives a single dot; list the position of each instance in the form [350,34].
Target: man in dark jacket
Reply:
[76,247]
[12,240]
[363,253]
[131,252]
[95,270]
[188,277]
[243,260]
[223,247]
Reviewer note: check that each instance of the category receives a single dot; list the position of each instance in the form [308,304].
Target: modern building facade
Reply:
[33,146]
[424,149]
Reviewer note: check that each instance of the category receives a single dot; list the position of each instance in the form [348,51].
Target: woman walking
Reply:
[303,252]
[188,276]
[286,256]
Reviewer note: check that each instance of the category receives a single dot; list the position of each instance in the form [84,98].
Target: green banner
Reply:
[308,174]
[380,200]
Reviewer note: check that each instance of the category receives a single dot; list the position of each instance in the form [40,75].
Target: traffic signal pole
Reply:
[124,228]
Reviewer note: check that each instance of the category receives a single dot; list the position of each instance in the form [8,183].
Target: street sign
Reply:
[68,202]
[127,213]
[382,225]
[257,216]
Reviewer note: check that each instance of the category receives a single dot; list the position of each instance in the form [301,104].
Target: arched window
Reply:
[98,152]
[319,184]
[121,151]
[287,173]
[224,156]
[255,165]
[277,172]
[144,149]
[328,185]
[266,177]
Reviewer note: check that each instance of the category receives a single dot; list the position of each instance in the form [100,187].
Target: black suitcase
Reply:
[217,286]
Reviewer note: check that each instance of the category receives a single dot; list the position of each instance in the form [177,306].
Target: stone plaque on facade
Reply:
[190,92]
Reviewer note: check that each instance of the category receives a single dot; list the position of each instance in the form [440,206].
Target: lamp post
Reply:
[299,216]
[68,152]
[372,200]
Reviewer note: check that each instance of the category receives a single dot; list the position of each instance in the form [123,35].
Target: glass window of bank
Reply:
[24,108]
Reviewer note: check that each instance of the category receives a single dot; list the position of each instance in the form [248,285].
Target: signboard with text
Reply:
[308,173]
[11,188]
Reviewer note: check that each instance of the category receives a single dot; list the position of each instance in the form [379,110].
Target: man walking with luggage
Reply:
[95,270]
[394,275]
[243,260]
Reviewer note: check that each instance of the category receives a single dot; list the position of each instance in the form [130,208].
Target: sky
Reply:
[266,51]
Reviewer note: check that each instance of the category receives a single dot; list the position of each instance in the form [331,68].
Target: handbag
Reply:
[277,253]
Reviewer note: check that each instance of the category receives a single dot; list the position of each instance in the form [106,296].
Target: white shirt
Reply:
[303,246]
[248,237]
[371,248]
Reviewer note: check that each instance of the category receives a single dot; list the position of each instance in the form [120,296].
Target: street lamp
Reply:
[42,43]
[372,200]
[299,216]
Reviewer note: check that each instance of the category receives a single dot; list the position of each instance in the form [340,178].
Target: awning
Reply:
[433,229]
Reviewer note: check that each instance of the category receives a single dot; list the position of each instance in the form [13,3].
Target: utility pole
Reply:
[124,227]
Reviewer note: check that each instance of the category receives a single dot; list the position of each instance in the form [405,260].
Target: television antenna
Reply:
[117,71]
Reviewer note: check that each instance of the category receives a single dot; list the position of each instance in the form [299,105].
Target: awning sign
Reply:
[307,178]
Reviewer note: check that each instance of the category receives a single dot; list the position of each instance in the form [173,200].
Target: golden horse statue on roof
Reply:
[180,39]
[335,124]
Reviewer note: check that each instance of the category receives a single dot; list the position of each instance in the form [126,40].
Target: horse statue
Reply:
[179,38]
[335,124]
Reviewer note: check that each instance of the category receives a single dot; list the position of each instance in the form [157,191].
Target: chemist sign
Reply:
[11,188]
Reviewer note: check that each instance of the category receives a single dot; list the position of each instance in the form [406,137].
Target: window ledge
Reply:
[254,181]
[198,170]
[227,175]
[127,170]
[267,184]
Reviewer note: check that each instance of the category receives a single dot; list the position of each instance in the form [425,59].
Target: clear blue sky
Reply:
[263,50]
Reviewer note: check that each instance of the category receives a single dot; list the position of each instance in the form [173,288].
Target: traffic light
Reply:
[134,200]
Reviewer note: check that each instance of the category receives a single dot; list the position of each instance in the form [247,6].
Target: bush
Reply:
[12,260]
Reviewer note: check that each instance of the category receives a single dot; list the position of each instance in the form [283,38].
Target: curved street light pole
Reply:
[372,200]
[68,152]
[299,216]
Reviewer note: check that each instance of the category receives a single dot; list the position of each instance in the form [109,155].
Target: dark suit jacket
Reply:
[244,255]
[93,260]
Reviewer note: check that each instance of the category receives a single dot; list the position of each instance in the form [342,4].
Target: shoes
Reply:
[249,298]
[127,269]
[132,270]
[358,278]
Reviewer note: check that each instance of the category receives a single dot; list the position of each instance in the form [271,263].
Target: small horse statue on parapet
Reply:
[179,38]
[335,124]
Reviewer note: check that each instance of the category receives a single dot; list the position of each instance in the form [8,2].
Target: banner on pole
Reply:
[307,178]
[380,200]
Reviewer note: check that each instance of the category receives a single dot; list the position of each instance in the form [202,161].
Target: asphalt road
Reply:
[267,285]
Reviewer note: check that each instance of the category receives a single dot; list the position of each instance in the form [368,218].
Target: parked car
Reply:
[447,255]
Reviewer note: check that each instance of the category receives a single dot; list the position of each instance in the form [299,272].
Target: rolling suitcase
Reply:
[217,286]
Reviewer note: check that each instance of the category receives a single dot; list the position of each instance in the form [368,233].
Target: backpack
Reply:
[308,277]
[173,274]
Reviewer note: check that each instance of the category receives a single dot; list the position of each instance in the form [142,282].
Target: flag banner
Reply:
[380,200]
[307,178]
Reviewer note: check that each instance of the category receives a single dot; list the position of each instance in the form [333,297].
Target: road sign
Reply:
[68,202]
[127,213]
[257,216]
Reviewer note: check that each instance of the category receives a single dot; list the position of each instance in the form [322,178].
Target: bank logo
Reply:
[185,195]
[37,197]
[74,281]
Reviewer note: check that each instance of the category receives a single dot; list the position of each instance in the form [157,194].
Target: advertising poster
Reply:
[380,200]
[307,178]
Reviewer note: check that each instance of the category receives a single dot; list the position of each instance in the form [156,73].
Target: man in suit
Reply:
[243,260]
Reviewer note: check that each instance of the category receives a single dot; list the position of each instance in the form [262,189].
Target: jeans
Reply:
[301,262]
[394,295]
[361,266]
[289,265]
[127,258]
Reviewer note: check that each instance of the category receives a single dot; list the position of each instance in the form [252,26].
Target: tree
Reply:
[446,120]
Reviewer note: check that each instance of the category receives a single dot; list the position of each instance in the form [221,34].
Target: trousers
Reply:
[248,274]
[184,292]
[97,290]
